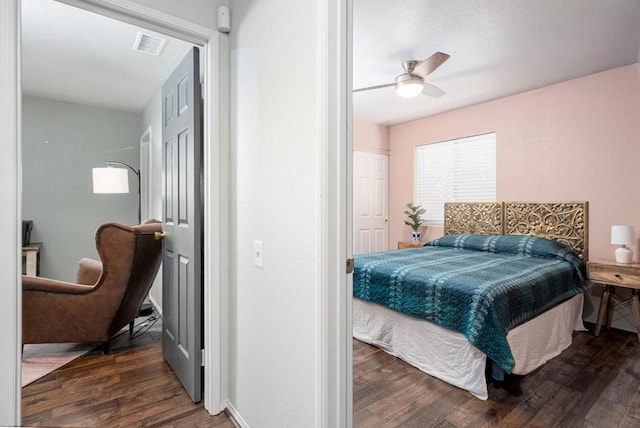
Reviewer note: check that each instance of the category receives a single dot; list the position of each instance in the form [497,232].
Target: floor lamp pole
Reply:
[146,308]
[137,173]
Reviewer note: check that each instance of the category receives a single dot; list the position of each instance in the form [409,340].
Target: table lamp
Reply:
[623,236]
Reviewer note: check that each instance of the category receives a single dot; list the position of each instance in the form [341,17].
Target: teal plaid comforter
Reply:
[481,286]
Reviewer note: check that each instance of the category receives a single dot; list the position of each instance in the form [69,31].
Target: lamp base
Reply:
[146,309]
[623,255]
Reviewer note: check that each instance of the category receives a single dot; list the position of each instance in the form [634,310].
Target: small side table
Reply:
[610,274]
[31,253]
[410,244]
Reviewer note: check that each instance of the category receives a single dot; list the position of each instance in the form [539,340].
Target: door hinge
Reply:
[349,266]
[203,357]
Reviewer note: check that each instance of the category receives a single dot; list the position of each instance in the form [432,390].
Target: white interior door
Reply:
[370,202]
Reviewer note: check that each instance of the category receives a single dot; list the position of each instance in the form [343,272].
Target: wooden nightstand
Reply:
[410,244]
[611,274]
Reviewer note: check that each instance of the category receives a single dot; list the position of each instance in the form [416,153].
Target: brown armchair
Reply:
[107,295]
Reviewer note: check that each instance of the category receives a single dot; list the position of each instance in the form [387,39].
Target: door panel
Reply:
[182,260]
[370,202]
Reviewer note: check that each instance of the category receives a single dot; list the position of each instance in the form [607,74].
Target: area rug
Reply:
[40,360]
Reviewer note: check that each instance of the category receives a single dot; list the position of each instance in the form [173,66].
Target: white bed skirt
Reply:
[447,355]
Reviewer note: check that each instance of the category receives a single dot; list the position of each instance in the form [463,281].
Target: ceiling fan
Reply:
[411,82]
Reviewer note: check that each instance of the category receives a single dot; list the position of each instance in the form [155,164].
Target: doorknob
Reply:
[386,220]
[160,235]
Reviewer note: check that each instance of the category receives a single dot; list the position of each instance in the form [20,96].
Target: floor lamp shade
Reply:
[110,180]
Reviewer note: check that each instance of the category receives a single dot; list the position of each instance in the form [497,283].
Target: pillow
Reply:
[515,244]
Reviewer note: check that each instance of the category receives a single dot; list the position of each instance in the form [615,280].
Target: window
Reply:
[461,170]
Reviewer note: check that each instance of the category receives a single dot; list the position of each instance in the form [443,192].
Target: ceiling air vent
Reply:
[149,44]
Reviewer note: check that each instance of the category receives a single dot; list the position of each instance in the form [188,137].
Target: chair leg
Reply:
[131,328]
[106,347]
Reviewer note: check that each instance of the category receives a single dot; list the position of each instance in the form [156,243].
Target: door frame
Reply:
[11,198]
[214,61]
[145,172]
[214,49]
[335,340]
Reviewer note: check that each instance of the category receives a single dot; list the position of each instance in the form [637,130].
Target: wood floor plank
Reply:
[595,382]
[132,386]
[552,412]
[631,417]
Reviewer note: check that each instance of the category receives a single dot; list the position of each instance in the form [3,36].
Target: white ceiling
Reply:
[73,55]
[497,47]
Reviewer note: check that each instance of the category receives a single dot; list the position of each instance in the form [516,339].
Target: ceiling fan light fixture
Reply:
[408,85]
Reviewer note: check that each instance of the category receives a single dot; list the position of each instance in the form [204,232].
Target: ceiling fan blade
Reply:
[374,87]
[429,65]
[432,91]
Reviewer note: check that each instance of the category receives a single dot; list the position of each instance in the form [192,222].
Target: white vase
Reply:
[416,236]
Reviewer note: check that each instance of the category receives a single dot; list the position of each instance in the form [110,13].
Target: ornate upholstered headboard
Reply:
[565,222]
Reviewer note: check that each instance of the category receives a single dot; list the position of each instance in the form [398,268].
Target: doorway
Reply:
[213,56]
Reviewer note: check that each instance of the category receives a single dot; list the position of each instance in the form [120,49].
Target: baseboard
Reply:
[234,415]
[156,307]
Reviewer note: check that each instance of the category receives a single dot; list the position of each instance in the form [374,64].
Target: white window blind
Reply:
[461,170]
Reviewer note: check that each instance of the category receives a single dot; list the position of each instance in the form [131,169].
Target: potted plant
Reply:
[414,220]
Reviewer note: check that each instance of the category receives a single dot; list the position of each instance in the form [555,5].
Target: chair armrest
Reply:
[89,271]
[36,283]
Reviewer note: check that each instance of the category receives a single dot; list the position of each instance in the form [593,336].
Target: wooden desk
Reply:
[31,253]
[611,274]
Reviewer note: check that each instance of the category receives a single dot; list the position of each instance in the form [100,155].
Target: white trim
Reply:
[10,216]
[215,165]
[155,305]
[366,149]
[334,376]
[235,415]
[142,16]
[216,238]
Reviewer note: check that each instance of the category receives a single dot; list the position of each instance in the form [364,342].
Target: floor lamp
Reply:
[115,180]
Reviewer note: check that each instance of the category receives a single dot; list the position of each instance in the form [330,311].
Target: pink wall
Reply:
[369,137]
[577,140]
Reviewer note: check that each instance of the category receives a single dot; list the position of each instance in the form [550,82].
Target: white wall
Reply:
[61,143]
[274,176]
[201,12]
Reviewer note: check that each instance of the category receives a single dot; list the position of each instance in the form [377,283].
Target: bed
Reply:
[502,289]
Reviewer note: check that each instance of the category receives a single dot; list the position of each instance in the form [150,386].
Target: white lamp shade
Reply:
[623,235]
[110,180]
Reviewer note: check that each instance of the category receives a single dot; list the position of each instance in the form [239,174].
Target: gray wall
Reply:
[61,143]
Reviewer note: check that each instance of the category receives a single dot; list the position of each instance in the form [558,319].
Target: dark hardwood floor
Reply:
[593,383]
[132,386]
